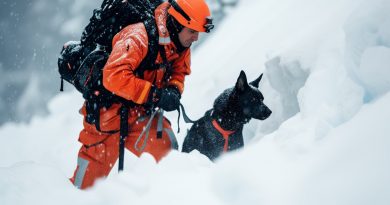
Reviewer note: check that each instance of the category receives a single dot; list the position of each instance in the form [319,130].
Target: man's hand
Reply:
[167,99]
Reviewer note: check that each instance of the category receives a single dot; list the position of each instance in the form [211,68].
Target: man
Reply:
[179,23]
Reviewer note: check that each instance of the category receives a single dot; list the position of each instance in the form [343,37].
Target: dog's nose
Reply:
[267,113]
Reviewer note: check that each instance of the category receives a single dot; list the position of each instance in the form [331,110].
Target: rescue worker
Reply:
[179,23]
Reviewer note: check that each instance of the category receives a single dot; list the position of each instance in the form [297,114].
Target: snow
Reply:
[326,79]
[374,70]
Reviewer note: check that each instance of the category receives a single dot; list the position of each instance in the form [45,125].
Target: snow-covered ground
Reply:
[327,81]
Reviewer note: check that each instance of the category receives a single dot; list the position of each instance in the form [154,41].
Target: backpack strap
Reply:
[165,64]
[148,63]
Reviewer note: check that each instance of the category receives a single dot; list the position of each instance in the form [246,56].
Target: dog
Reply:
[220,129]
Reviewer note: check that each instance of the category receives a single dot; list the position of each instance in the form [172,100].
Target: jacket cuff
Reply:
[177,84]
[154,96]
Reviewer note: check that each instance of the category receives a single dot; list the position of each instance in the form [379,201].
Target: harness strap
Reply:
[124,131]
[224,133]
[160,124]
[146,132]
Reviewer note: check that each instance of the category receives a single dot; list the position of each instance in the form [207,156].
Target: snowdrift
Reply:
[326,66]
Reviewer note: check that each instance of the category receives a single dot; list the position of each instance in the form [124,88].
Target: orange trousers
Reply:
[100,151]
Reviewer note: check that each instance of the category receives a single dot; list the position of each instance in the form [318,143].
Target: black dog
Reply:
[220,129]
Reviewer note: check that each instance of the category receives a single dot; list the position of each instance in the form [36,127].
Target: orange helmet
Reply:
[193,14]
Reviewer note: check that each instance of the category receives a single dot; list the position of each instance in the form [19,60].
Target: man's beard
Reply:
[189,45]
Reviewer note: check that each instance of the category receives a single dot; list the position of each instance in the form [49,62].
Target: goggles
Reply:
[209,24]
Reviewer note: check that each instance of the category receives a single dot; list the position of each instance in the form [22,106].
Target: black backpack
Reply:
[81,62]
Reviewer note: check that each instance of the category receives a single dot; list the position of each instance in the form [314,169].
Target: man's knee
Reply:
[93,163]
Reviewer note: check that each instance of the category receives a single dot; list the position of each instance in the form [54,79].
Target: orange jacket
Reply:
[129,47]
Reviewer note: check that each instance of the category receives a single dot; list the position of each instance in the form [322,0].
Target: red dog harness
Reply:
[224,133]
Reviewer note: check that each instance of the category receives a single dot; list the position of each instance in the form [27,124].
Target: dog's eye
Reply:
[254,101]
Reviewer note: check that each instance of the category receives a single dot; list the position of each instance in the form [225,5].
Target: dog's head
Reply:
[244,100]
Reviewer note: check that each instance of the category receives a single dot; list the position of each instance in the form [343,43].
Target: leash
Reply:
[185,117]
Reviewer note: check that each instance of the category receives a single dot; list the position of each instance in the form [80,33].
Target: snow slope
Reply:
[327,80]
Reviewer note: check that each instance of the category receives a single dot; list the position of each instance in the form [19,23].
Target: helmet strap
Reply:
[179,9]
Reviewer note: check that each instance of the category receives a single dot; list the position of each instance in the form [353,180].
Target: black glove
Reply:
[168,98]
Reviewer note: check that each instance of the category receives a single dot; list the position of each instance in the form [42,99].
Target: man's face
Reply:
[187,36]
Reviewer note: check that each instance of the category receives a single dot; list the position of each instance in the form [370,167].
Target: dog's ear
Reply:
[256,82]
[241,83]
